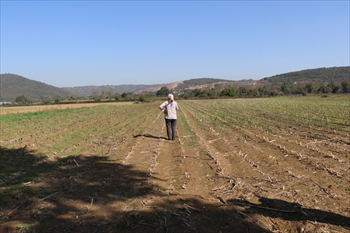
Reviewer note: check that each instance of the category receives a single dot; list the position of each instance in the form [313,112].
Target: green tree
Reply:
[300,90]
[212,93]
[128,96]
[108,92]
[204,93]
[72,97]
[117,97]
[197,92]
[345,86]
[95,93]
[264,91]
[142,98]
[334,86]
[287,88]
[327,89]
[234,85]
[47,101]
[219,87]
[253,92]
[273,93]
[22,100]
[309,88]
[228,92]
[324,89]
[242,91]
[336,89]
[124,95]
[163,91]
[187,96]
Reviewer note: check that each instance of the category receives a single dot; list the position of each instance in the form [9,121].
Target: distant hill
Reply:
[337,74]
[321,75]
[13,85]
[120,89]
[137,89]
[198,83]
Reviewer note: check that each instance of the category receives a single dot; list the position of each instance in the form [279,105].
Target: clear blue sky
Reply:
[79,43]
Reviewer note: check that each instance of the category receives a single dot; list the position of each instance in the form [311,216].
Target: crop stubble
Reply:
[236,166]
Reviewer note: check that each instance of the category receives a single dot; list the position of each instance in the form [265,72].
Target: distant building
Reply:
[5,103]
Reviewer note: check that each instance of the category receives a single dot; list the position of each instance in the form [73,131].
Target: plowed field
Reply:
[251,165]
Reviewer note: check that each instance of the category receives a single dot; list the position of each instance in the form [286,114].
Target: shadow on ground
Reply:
[149,136]
[276,208]
[96,194]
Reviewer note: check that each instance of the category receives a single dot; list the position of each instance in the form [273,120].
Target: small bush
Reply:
[142,98]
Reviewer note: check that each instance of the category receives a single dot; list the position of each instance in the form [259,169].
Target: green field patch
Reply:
[38,115]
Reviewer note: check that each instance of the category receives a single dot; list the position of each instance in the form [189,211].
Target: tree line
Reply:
[337,74]
[218,91]
[287,88]
[316,88]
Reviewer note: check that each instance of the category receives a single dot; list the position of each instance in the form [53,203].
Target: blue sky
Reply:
[80,43]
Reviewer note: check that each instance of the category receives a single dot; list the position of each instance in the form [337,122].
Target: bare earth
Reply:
[126,177]
[21,109]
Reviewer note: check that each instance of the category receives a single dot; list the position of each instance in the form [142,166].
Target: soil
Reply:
[207,180]
[36,108]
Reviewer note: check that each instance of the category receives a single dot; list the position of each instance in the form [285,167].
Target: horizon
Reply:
[83,43]
[159,84]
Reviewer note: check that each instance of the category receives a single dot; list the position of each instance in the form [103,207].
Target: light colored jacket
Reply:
[171,109]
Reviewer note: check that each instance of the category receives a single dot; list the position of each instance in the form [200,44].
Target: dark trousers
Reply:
[171,128]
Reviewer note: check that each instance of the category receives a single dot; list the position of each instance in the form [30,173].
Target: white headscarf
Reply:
[171,96]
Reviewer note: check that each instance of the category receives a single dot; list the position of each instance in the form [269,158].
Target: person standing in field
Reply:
[169,108]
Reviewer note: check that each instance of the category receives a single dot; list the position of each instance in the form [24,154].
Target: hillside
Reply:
[201,83]
[191,84]
[87,90]
[137,89]
[321,75]
[337,74]
[155,88]
[14,85]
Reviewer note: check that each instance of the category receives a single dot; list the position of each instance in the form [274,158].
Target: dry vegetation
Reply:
[252,165]
[36,108]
